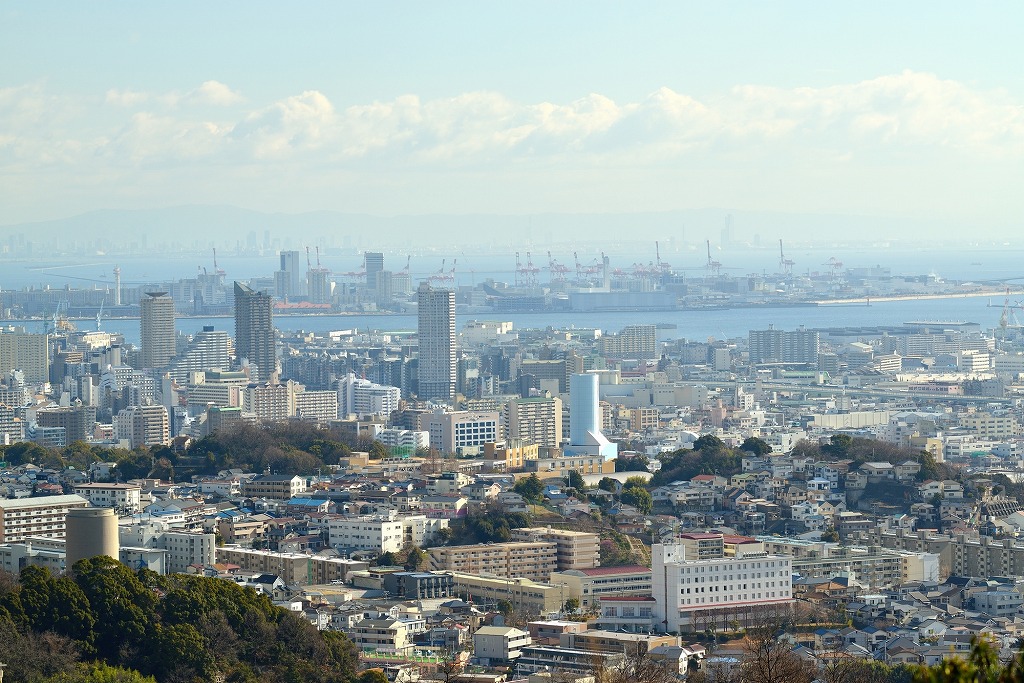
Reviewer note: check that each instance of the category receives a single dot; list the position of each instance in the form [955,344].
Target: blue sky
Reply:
[910,108]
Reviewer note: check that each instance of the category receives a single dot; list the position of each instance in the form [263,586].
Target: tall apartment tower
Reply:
[254,331]
[437,364]
[157,322]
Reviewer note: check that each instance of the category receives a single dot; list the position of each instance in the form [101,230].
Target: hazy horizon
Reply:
[899,122]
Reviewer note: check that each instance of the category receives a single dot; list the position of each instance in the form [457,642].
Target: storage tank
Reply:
[91,532]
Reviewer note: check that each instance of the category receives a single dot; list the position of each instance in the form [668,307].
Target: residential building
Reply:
[275,486]
[537,420]
[78,421]
[255,337]
[125,499]
[529,560]
[156,310]
[183,548]
[380,533]
[26,352]
[781,346]
[499,645]
[21,518]
[295,569]
[418,585]
[573,549]
[634,341]
[363,398]
[208,350]
[143,426]
[526,596]
[436,334]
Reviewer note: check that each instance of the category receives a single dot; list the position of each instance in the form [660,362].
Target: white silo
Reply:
[91,532]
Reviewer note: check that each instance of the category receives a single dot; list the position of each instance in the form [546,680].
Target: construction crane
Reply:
[408,261]
[714,266]
[785,264]
[216,269]
[835,267]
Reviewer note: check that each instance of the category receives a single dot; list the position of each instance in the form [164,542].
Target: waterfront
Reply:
[696,325]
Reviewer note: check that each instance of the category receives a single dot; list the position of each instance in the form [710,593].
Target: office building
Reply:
[156,310]
[436,332]
[44,516]
[537,419]
[288,281]
[585,436]
[374,263]
[780,346]
[255,340]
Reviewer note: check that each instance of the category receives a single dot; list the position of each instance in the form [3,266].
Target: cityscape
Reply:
[511,344]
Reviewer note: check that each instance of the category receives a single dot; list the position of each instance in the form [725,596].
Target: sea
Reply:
[987,264]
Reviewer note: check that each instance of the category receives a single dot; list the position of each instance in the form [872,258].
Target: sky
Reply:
[909,109]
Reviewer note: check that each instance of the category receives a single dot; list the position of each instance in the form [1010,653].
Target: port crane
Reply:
[661,265]
[785,264]
[714,267]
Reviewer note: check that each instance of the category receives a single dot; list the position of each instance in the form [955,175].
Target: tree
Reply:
[757,446]
[608,484]
[386,559]
[373,676]
[571,605]
[531,488]
[638,497]
[575,481]
[415,559]
[830,536]
[636,463]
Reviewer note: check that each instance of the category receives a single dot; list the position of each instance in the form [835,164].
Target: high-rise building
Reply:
[288,282]
[537,419]
[78,421]
[143,426]
[318,285]
[156,311]
[780,346]
[26,352]
[255,340]
[374,263]
[208,350]
[364,398]
[437,363]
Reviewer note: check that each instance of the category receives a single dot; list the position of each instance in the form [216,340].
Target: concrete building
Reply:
[590,585]
[537,420]
[499,645]
[78,421]
[270,402]
[316,406]
[156,310]
[208,350]
[573,549]
[182,548]
[526,596]
[380,533]
[436,334]
[26,352]
[419,585]
[463,431]
[530,560]
[363,398]
[143,426]
[719,589]
[21,518]
[124,499]
[780,346]
[634,342]
[274,486]
[255,337]
[295,569]
[288,281]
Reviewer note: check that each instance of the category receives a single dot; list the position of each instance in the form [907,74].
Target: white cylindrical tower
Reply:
[584,412]
[91,532]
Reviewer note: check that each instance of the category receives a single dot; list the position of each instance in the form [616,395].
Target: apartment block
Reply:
[529,560]
[45,516]
[125,499]
[573,549]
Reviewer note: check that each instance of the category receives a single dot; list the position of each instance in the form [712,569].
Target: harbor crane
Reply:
[714,267]
[785,264]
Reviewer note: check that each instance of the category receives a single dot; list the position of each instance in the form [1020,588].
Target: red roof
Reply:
[697,537]
[739,539]
[626,569]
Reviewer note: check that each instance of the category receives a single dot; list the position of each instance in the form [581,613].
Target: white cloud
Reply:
[215,93]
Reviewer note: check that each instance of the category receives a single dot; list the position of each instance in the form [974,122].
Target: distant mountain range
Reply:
[230,227]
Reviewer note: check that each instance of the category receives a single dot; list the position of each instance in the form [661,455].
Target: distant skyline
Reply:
[912,109]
